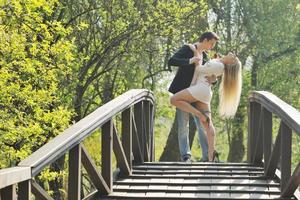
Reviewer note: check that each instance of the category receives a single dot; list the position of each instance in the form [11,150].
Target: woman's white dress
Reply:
[201,90]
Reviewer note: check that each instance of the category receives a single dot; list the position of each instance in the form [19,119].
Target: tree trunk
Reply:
[78,103]
[228,26]
[171,151]
[236,148]
[254,72]
[57,184]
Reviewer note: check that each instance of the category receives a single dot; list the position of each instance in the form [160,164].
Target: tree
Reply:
[35,55]
[120,45]
[257,30]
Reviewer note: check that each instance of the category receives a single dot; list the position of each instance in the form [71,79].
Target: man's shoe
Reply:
[187,159]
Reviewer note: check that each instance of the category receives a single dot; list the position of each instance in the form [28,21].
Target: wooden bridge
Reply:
[266,175]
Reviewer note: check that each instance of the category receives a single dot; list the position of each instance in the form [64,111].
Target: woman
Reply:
[200,93]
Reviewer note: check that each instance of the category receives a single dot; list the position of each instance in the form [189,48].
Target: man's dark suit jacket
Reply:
[185,73]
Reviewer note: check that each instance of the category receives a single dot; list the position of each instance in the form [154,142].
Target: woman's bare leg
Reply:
[209,128]
[183,100]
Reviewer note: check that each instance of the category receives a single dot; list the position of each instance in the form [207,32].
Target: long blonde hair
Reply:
[230,89]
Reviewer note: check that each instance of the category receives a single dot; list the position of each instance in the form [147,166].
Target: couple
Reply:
[191,87]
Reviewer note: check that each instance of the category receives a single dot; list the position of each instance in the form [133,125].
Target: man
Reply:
[185,60]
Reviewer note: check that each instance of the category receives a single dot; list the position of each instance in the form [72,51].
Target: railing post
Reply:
[286,143]
[8,193]
[147,129]
[127,135]
[267,136]
[107,150]
[24,190]
[152,139]
[74,182]
[138,117]
[258,136]
[253,127]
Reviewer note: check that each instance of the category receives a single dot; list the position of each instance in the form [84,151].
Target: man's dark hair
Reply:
[209,36]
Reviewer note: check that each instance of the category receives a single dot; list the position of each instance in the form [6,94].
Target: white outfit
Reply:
[201,90]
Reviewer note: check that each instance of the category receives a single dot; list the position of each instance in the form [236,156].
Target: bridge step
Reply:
[195,181]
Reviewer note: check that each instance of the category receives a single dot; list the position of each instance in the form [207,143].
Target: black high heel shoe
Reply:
[215,157]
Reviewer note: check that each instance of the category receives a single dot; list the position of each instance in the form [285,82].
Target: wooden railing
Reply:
[137,108]
[261,151]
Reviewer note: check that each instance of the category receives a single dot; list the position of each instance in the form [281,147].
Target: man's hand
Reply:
[195,60]
[211,79]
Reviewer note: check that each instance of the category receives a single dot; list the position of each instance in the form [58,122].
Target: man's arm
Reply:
[181,57]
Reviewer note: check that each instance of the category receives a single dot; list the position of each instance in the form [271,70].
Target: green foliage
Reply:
[277,54]
[34,55]
[123,45]
[164,115]
[265,32]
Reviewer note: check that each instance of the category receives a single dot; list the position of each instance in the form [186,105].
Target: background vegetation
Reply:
[61,59]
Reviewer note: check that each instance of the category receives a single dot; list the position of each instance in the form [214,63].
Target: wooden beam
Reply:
[92,196]
[24,190]
[258,151]
[152,137]
[267,136]
[136,147]
[94,175]
[253,128]
[8,193]
[127,135]
[146,118]
[107,149]
[138,117]
[14,175]
[292,184]
[286,155]
[120,155]
[74,179]
[39,192]
[275,156]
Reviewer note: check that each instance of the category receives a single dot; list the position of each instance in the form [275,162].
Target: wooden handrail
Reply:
[262,105]
[10,177]
[77,132]
[284,111]
[14,175]
[138,102]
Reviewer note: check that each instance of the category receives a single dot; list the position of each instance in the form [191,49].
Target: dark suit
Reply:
[184,75]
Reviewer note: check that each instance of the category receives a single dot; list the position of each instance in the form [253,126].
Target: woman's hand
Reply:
[204,118]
